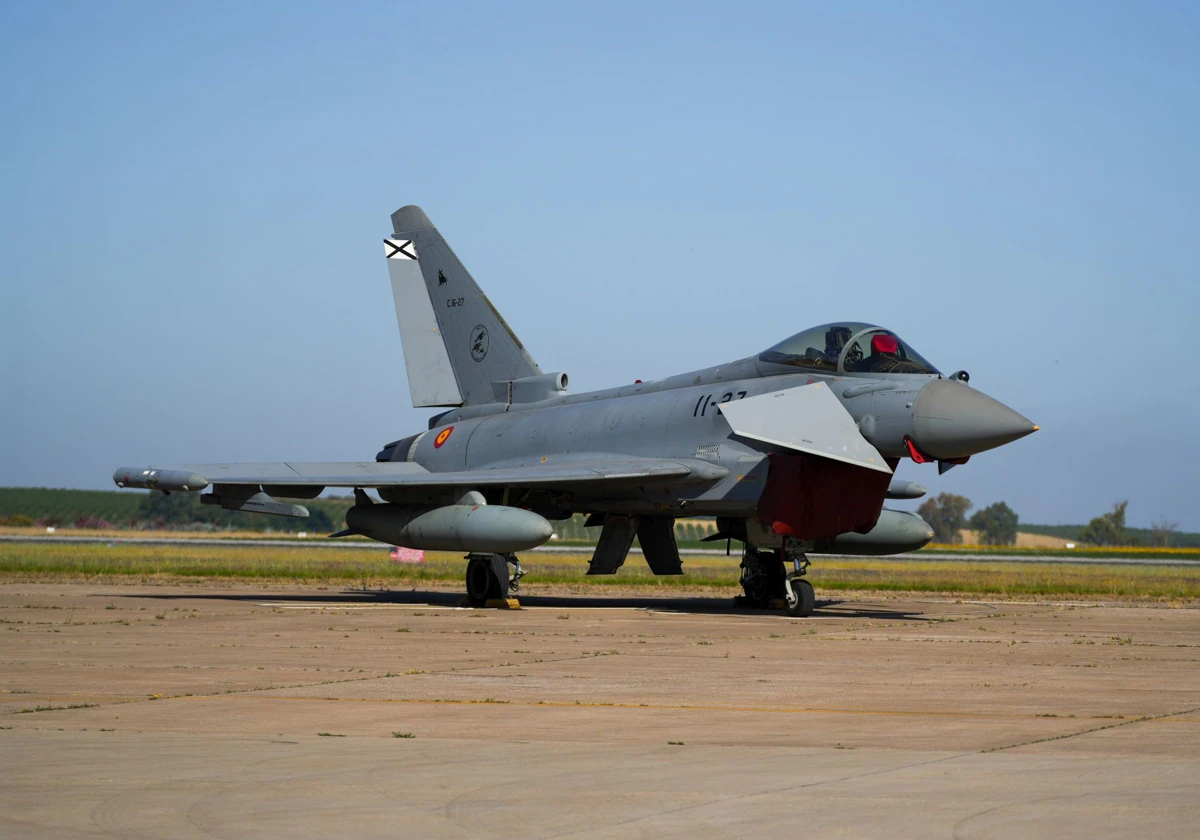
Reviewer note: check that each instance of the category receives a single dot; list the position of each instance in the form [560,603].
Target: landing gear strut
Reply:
[762,577]
[488,577]
[801,600]
[766,578]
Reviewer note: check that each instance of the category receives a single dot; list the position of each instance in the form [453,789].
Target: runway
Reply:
[321,543]
[256,711]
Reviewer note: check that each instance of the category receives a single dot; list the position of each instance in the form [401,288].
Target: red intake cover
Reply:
[815,498]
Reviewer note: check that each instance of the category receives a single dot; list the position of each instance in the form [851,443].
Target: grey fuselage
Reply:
[675,417]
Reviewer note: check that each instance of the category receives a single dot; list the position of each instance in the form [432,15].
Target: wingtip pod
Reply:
[148,478]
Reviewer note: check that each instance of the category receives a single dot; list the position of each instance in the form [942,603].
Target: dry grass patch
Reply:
[371,567]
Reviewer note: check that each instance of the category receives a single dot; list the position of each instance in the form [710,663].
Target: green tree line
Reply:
[104,509]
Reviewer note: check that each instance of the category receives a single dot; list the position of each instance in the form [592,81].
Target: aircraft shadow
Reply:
[689,605]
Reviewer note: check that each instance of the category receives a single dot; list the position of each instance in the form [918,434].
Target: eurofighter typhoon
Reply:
[792,450]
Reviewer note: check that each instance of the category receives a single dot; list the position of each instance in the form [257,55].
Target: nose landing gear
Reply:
[765,579]
[801,600]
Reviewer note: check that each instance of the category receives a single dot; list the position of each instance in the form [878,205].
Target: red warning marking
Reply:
[917,455]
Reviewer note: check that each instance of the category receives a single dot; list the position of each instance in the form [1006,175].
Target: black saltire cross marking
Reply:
[399,246]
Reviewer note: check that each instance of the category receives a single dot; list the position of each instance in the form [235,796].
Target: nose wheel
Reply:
[801,600]
[798,592]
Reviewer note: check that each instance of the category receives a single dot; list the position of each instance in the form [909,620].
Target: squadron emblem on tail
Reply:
[479,342]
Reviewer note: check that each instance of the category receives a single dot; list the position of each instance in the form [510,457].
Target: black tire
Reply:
[777,588]
[498,565]
[479,581]
[766,581]
[806,599]
[757,590]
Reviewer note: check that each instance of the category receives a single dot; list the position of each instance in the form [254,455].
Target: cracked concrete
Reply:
[201,711]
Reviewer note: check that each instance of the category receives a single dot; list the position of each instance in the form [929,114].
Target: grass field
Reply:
[585,547]
[1179,552]
[372,568]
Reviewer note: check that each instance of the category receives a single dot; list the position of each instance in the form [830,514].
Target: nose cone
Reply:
[952,420]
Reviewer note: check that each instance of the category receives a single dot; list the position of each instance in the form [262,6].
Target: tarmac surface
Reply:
[255,711]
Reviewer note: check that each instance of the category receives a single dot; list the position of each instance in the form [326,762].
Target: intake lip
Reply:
[952,420]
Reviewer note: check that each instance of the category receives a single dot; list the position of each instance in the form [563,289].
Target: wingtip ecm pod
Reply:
[148,478]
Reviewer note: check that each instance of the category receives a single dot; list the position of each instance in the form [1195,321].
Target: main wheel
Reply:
[777,577]
[757,587]
[806,599]
[479,580]
[762,577]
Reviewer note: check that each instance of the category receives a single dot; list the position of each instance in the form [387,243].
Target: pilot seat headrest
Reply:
[885,344]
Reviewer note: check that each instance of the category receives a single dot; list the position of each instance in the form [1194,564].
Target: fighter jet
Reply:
[791,450]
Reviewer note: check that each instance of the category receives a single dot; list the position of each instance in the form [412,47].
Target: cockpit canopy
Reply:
[848,348]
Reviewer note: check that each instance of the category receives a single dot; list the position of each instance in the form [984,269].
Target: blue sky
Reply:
[192,199]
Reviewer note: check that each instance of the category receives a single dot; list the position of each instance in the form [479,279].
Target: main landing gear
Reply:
[489,580]
[766,579]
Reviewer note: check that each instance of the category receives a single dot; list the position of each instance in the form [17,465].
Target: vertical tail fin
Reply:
[455,342]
